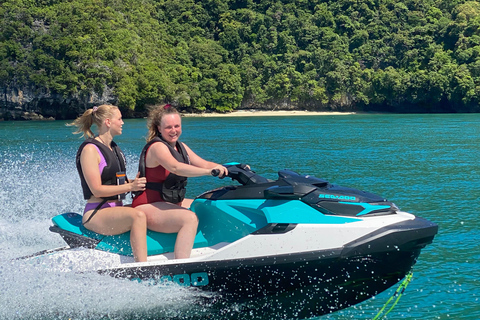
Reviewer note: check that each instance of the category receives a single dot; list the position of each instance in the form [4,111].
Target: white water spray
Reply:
[38,183]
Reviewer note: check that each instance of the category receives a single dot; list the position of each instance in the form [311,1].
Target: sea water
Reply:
[427,164]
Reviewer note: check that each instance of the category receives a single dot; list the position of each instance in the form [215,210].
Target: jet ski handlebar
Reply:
[243,174]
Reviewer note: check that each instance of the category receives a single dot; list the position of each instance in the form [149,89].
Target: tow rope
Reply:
[398,293]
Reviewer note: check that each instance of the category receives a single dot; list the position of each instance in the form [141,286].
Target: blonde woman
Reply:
[166,162]
[101,166]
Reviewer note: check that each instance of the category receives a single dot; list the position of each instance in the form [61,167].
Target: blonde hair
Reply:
[155,118]
[95,115]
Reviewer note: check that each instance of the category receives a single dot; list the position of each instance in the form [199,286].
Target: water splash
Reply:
[40,181]
[33,291]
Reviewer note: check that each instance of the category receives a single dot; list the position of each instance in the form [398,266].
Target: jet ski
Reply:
[298,246]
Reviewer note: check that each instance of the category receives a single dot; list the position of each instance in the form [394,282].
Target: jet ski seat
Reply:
[69,226]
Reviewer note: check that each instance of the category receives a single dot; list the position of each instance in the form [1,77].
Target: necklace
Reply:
[103,141]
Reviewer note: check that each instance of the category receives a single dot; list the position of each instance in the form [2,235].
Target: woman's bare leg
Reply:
[117,220]
[186,203]
[169,218]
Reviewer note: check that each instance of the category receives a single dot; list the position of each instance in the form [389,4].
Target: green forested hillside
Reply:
[218,55]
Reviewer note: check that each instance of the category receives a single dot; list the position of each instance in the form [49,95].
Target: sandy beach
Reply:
[263,113]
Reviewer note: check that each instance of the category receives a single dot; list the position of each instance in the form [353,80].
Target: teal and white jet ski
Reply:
[275,244]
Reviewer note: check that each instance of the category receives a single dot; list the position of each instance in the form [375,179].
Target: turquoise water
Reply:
[426,164]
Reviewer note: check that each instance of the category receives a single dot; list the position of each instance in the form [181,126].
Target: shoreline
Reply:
[32,116]
[267,113]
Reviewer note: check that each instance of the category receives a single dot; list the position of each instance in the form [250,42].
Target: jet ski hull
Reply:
[305,284]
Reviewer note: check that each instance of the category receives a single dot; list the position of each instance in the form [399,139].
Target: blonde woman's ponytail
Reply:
[95,115]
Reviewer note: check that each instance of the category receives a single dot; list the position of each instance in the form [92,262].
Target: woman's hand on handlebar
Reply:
[219,171]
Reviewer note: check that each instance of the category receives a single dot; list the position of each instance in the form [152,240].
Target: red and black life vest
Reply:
[173,189]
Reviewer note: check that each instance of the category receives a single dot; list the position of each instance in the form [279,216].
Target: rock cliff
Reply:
[34,104]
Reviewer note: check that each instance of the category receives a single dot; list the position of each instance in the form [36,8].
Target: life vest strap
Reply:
[95,211]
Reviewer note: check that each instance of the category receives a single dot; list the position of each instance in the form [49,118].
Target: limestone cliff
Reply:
[35,104]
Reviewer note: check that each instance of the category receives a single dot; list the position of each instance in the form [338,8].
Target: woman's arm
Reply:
[159,154]
[198,161]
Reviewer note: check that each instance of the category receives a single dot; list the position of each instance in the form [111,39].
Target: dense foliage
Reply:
[419,55]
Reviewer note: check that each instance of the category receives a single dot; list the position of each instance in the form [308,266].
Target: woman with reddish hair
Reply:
[167,163]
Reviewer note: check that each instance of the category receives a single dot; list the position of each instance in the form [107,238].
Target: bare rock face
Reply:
[33,104]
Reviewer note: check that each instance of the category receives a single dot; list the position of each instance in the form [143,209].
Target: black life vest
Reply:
[115,163]
[173,188]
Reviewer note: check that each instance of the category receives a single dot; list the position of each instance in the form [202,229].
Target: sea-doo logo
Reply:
[198,279]
[332,196]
